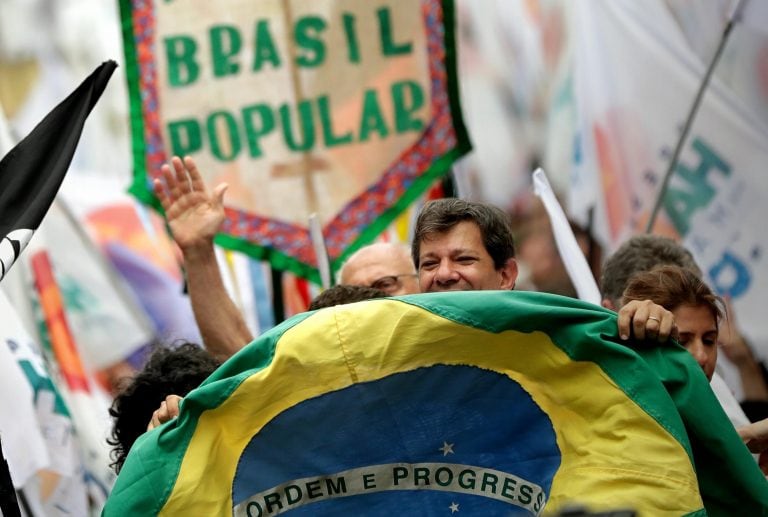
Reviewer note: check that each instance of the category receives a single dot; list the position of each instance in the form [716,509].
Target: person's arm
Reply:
[736,348]
[755,437]
[194,216]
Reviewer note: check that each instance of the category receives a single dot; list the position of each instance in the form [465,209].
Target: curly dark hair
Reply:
[170,370]
[341,294]
[441,215]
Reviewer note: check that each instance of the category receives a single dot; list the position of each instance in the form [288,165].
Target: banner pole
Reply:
[306,171]
[9,505]
[735,9]
[321,252]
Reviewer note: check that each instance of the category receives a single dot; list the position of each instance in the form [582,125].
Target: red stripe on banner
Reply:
[436,191]
[62,342]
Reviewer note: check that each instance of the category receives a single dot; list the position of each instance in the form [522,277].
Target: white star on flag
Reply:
[454,507]
[446,449]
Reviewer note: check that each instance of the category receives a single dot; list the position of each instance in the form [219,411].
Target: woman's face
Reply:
[698,334]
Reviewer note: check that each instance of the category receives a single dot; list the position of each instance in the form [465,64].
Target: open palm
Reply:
[193,213]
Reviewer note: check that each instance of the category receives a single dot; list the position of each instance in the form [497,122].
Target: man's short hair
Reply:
[639,254]
[341,294]
[170,370]
[442,215]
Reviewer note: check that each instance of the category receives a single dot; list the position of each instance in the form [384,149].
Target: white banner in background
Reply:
[38,436]
[635,80]
[23,443]
[105,319]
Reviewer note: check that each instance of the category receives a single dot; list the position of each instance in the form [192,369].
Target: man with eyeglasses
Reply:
[383,265]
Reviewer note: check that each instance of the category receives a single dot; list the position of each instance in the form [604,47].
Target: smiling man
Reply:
[468,246]
[463,246]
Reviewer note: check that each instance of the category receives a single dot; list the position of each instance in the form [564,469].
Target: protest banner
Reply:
[344,109]
[635,79]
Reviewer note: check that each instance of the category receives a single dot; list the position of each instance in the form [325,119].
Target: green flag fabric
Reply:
[481,403]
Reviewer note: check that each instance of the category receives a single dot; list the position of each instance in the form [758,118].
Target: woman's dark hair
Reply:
[170,370]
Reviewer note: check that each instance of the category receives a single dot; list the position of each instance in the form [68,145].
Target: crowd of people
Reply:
[651,282]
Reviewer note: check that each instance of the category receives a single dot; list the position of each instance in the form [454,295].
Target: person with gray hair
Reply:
[642,253]
[639,254]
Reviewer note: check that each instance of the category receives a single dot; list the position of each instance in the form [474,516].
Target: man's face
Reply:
[458,261]
[385,268]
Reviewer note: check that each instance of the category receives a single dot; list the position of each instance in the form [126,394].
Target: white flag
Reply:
[635,80]
[105,318]
[23,442]
[573,258]
[753,14]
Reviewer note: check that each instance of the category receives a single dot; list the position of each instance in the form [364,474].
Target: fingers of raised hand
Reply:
[159,189]
[196,180]
[218,193]
[179,183]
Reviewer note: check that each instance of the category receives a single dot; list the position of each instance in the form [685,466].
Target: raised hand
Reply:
[194,214]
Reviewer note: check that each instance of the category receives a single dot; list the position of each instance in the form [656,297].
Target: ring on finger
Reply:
[654,318]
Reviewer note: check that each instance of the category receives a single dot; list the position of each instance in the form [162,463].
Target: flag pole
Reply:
[733,15]
[9,506]
[579,271]
[321,253]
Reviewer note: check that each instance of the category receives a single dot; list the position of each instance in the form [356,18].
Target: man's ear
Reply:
[508,274]
[608,304]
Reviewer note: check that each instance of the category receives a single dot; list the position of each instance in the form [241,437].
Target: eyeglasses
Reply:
[391,283]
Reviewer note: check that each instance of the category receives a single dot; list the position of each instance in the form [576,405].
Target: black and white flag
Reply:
[31,173]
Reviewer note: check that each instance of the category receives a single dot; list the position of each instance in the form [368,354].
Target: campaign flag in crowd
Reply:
[104,316]
[23,442]
[39,439]
[87,403]
[754,14]
[31,173]
[348,110]
[479,402]
[138,247]
[635,80]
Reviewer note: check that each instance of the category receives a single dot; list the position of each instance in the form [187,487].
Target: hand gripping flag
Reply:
[346,110]
[31,173]
[484,403]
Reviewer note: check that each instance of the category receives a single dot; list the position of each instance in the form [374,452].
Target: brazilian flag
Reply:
[472,403]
